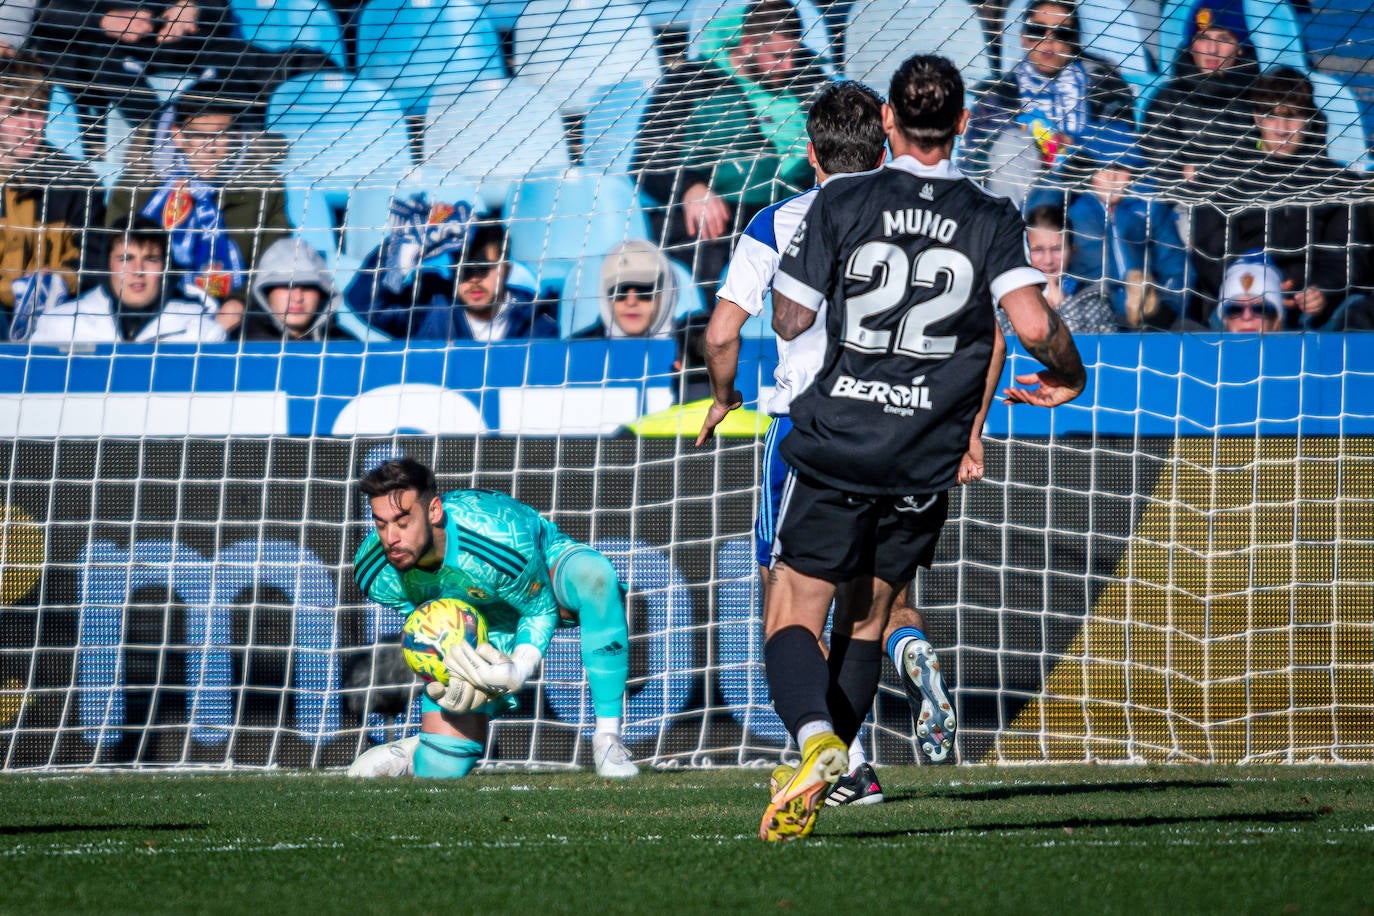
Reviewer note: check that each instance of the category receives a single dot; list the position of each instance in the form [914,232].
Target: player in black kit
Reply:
[912,258]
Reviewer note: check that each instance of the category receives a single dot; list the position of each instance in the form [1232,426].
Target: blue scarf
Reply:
[1062,98]
[421,234]
[197,240]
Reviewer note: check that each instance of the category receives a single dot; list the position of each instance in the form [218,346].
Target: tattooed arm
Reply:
[1046,338]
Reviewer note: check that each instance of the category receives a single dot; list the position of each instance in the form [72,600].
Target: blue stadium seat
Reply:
[611,126]
[665,14]
[580,305]
[1111,30]
[874,48]
[493,133]
[573,47]
[1347,140]
[708,21]
[418,49]
[280,24]
[502,14]
[1274,31]
[347,151]
[554,221]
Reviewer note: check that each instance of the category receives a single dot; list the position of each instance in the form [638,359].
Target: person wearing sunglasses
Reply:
[639,299]
[639,294]
[1026,122]
[457,284]
[1252,299]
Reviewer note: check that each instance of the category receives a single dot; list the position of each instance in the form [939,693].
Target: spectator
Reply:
[295,296]
[1205,110]
[105,51]
[639,299]
[213,190]
[133,302]
[725,137]
[1130,242]
[1082,304]
[439,276]
[638,294]
[47,203]
[1251,299]
[1287,199]
[1025,122]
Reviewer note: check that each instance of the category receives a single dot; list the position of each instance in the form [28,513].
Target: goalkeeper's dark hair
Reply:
[927,98]
[845,125]
[399,475]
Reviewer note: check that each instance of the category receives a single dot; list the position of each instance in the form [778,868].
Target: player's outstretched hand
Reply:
[1048,390]
[716,415]
[457,696]
[485,667]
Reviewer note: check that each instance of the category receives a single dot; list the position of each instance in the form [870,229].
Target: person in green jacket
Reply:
[725,136]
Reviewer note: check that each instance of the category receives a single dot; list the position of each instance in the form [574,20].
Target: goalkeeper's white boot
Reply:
[930,704]
[612,757]
[395,758]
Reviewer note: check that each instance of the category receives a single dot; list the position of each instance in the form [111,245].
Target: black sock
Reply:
[797,677]
[856,666]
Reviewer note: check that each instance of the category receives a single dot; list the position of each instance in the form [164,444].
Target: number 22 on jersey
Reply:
[932,267]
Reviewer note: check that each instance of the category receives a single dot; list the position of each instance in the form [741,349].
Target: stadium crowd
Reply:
[1209,203]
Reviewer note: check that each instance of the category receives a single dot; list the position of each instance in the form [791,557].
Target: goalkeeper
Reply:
[525,577]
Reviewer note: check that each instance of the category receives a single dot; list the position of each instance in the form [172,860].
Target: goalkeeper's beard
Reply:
[411,559]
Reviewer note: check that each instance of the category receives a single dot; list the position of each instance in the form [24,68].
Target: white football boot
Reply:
[612,757]
[395,758]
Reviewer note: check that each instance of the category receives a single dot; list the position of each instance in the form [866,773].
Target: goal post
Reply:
[1120,587]
[1177,567]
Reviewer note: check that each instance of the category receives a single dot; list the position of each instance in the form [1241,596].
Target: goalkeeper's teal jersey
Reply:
[498,555]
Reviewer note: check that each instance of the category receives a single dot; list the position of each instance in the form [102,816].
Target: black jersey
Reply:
[912,259]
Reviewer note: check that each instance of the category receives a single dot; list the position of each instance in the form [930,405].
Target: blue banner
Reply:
[1138,384]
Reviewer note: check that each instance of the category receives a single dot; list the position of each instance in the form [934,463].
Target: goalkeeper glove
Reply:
[490,670]
[457,696]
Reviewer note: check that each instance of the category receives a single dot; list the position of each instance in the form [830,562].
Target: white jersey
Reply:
[749,279]
[91,319]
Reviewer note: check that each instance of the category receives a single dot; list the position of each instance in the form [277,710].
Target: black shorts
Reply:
[828,534]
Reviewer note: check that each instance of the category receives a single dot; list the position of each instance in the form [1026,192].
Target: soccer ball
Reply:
[435,627]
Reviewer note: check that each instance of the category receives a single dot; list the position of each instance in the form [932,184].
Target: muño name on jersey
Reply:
[910,260]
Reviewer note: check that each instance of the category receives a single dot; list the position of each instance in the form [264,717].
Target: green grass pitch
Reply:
[1177,839]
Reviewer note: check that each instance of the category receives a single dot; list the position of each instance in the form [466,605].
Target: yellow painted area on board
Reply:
[21,554]
[1239,627]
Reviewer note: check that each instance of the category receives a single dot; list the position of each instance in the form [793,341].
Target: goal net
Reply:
[1178,566]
